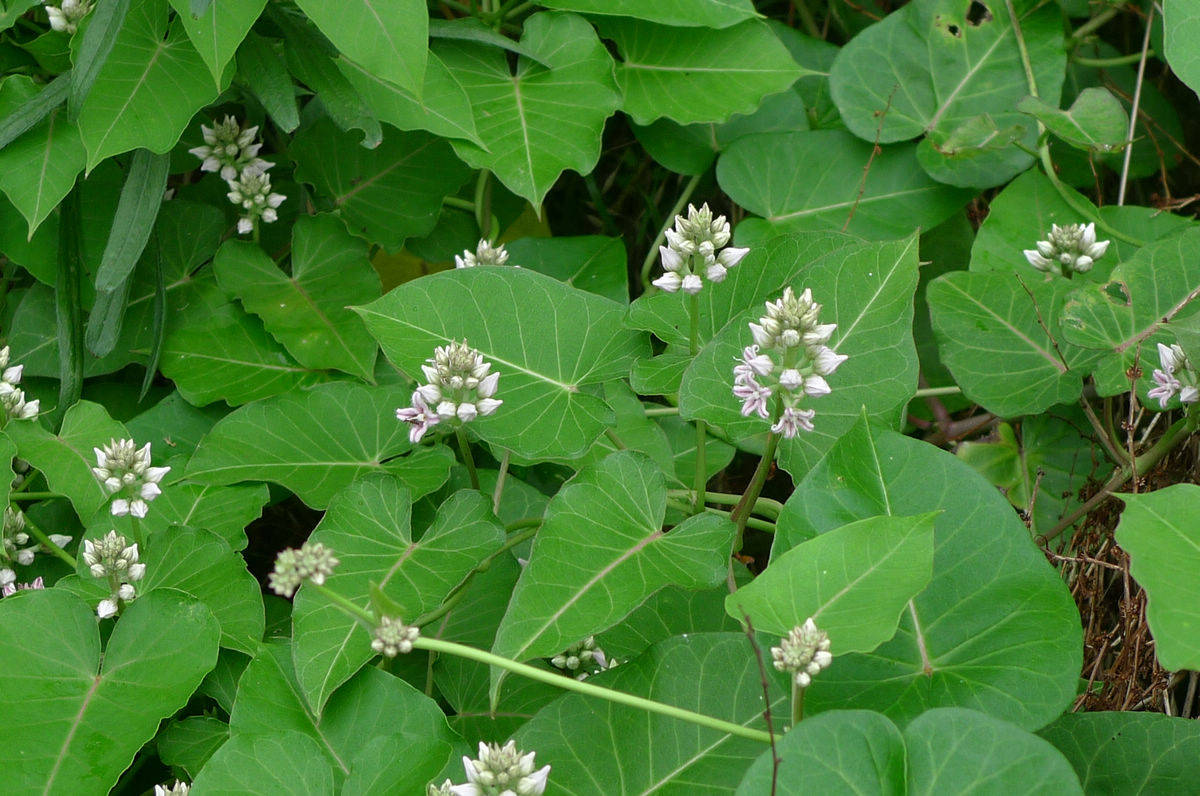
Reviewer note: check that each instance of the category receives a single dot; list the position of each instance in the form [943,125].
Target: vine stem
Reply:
[1094,23]
[443,647]
[797,703]
[483,203]
[661,411]
[50,546]
[931,392]
[464,448]
[31,496]
[1133,110]
[500,478]
[652,255]
[741,512]
[700,481]
[589,689]
[751,522]
[765,506]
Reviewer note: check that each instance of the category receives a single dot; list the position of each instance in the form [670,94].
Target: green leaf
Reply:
[372,704]
[853,582]
[384,194]
[368,526]
[967,155]
[569,591]
[1158,283]
[1159,530]
[1181,24]
[215,350]
[84,716]
[261,64]
[593,744]
[308,310]
[867,290]
[202,565]
[593,263]
[189,743]
[697,74]
[137,209]
[66,458]
[541,120]
[388,37]
[549,367]
[225,511]
[315,442]
[217,31]
[633,429]
[1128,752]
[759,172]
[377,770]
[993,335]
[947,750]
[442,108]
[38,166]
[96,43]
[175,424]
[996,629]
[672,611]
[935,64]
[706,13]
[1096,121]
[149,88]
[287,763]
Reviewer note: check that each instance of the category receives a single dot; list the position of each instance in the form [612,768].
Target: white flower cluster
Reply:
[112,557]
[697,245]
[178,789]
[233,152]
[392,637]
[461,385]
[804,653]
[1069,249]
[583,659]
[124,469]
[15,547]
[66,16]
[312,561]
[13,405]
[789,361]
[484,254]
[499,771]
[1176,376]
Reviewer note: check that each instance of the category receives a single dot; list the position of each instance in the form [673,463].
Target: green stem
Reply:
[652,255]
[1094,23]
[483,204]
[521,9]
[797,703]
[136,531]
[501,477]
[457,593]
[807,19]
[1120,60]
[765,506]
[741,512]
[32,496]
[930,392]
[661,411]
[700,481]
[460,204]
[751,522]
[347,605]
[464,449]
[589,689]
[44,540]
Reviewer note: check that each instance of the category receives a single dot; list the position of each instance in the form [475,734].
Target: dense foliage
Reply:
[756,379]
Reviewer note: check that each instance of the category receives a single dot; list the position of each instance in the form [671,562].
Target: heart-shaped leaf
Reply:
[217,32]
[388,37]
[1127,752]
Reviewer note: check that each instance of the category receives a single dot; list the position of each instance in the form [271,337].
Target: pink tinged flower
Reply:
[692,284]
[670,282]
[1167,386]
[418,416]
[793,421]
[754,362]
[754,397]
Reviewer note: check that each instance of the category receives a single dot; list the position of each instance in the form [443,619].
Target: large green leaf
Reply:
[367,526]
[997,333]
[541,120]
[697,74]
[83,716]
[189,742]
[593,263]
[551,343]
[600,552]
[599,747]
[1095,122]
[308,310]
[1129,752]
[39,168]
[815,180]
[66,459]
[867,290]
[1161,533]
[946,750]
[1181,25]
[216,350]
[218,31]
[385,194]
[388,37]
[996,629]
[315,442]
[372,704]
[937,64]
[288,763]
[223,510]
[707,13]
[1120,318]
[150,86]
[853,582]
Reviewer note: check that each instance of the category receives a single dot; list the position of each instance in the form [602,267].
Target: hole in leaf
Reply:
[954,30]
[978,13]
[1118,293]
